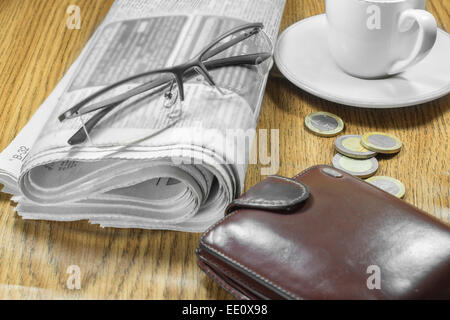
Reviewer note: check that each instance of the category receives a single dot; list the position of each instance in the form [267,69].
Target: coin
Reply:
[388,184]
[381,142]
[359,168]
[350,146]
[324,124]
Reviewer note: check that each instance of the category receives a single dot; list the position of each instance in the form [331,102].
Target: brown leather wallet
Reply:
[326,235]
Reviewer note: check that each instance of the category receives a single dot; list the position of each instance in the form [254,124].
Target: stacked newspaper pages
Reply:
[181,179]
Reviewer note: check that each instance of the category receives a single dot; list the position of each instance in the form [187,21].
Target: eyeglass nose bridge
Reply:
[198,67]
[201,69]
[178,74]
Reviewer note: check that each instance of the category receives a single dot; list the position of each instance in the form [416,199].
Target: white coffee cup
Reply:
[379,38]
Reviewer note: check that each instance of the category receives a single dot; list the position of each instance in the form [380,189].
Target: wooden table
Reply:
[36,49]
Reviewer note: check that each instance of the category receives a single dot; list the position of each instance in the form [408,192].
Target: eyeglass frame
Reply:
[194,65]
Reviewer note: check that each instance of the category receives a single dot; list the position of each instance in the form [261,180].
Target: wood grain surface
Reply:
[36,49]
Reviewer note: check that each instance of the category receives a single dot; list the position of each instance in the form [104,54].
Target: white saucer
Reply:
[302,56]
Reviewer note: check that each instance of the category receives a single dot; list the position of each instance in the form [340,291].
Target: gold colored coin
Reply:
[324,124]
[381,142]
[388,184]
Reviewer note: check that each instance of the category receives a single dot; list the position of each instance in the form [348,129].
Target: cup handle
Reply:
[426,39]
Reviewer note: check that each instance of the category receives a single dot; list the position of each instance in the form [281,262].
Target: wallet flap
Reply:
[275,193]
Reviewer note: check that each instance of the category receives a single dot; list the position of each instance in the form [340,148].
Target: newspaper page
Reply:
[183,174]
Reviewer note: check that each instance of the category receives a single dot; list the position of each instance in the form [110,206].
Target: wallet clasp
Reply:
[275,193]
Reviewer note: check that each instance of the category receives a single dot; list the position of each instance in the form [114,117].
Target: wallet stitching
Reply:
[231,274]
[277,202]
[223,283]
[249,270]
[202,241]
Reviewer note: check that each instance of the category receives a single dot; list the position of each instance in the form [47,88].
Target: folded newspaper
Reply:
[179,179]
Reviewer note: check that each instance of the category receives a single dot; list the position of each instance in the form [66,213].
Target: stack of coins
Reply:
[357,154]
[353,157]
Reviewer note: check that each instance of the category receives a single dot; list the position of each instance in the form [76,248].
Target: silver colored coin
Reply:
[324,124]
[381,142]
[362,168]
[388,184]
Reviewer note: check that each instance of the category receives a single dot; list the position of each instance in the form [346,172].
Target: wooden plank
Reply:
[36,49]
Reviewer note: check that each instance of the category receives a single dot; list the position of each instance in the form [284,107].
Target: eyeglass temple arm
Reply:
[254,27]
[251,59]
[213,52]
[248,59]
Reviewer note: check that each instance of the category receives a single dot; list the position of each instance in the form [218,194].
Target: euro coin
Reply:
[324,124]
[381,142]
[350,146]
[388,184]
[356,167]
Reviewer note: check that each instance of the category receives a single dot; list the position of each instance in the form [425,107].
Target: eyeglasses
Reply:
[242,58]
